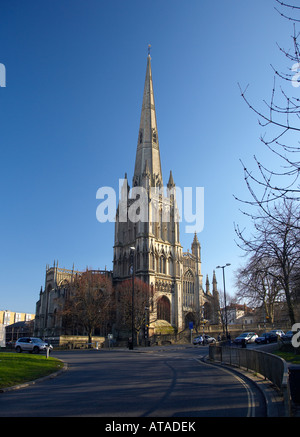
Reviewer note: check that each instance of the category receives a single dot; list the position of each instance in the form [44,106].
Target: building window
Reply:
[152,261]
[162,264]
[154,136]
[6,318]
[188,289]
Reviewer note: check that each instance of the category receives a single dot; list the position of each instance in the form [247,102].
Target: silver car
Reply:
[32,344]
[278,332]
[247,337]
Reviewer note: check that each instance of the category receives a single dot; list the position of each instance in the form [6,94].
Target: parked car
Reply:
[266,337]
[198,340]
[31,344]
[248,337]
[287,336]
[278,332]
[208,339]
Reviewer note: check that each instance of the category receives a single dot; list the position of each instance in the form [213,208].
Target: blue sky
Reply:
[69,120]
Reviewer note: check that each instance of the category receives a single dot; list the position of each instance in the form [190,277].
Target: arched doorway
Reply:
[190,317]
[164,309]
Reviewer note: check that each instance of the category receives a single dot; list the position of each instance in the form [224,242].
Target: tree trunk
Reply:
[90,334]
[290,305]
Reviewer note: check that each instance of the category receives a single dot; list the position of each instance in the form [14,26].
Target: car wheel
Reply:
[18,349]
[36,350]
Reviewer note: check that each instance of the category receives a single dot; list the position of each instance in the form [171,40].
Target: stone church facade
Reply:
[153,237]
[153,240]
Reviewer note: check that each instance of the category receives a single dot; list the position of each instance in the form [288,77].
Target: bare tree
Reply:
[89,302]
[276,242]
[143,302]
[258,286]
[281,117]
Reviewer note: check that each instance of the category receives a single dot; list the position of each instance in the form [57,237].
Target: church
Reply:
[150,242]
[158,256]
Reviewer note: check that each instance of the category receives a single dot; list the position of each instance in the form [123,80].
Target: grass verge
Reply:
[290,357]
[20,368]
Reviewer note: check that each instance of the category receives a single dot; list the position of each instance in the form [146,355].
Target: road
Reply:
[152,382]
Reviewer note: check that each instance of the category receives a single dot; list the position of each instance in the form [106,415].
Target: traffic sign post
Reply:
[191,327]
[110,337]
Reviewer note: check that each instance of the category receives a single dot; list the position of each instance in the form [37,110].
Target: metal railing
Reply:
[270,366]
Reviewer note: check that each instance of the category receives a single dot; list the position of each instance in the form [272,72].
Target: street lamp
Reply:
[223,267]
[146,330]
[132,249]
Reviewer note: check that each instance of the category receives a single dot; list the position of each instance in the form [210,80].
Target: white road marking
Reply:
[250,395]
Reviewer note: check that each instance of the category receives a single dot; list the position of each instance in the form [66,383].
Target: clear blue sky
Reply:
[69,119]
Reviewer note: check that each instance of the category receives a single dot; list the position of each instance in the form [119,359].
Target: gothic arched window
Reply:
[188,289]
[152,261]
[162,264]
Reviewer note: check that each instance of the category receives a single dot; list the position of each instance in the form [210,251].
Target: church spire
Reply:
[148,145]
[196,247]
[215,284]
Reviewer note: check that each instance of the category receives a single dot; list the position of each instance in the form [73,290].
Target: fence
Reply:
[270,366]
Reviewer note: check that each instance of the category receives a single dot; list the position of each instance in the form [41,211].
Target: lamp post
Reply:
[146,330]
[132,249]
[223,267]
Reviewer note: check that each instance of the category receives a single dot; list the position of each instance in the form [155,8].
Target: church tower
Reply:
[154,232]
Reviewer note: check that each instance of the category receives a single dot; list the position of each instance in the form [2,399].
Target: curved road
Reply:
[150,382]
